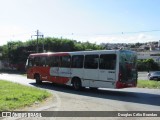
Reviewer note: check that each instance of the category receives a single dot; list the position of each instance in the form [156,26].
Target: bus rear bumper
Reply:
[125,85]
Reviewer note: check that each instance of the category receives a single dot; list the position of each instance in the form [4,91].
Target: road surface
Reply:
[130,99]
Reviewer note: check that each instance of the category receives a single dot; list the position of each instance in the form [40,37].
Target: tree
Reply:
[147,65]
[17,52]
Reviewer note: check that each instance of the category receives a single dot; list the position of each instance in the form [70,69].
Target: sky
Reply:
[96,21]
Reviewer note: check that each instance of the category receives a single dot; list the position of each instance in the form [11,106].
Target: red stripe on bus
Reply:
[125,85]
[59,80]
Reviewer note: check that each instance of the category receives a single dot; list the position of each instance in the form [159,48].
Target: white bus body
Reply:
[94,69]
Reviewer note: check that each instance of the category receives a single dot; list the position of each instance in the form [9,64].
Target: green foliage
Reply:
[4,50]
[138,44]
[148,84]
[60,45]
[13,95]
[147,65]
[17,52]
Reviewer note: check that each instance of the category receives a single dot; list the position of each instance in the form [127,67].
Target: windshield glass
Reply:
[27,62]
[128,65]
[156,73]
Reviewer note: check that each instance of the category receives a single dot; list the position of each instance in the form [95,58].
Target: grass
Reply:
[14,95]
[148,84]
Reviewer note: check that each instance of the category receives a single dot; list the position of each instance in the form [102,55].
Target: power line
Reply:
[80,34]
[143,31]
[118,33]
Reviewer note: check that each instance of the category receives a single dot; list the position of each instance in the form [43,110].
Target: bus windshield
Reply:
[127,63]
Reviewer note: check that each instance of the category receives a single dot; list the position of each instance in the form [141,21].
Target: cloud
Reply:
[123,38]
[14,33]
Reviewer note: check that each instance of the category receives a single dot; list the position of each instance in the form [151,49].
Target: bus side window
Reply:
[66,61]
[77,61]
[42,61]
[30,62]
[36,61]
[107,61]
[91,61]
[50,61]
[54,61]
[47,61]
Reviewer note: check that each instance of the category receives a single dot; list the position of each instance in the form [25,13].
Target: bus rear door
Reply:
[91,70]
[107,70]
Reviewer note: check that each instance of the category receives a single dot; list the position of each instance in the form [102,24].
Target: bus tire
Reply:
[38,80]
[77,84]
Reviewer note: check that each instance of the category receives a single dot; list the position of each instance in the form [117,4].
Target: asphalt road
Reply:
[67,99]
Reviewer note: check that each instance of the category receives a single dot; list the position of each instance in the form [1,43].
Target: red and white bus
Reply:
[94,69]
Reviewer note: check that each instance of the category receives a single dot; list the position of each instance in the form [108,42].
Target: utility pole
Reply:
[43,42]
[37,34]
[37,49]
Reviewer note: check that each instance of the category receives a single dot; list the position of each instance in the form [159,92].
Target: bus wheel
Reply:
[38,80]
[77,84]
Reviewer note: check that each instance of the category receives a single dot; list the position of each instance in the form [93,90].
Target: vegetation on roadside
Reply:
[148,84]
[14,95]
[16,53]
[147,65]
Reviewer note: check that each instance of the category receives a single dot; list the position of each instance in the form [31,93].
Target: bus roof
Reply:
[75,52]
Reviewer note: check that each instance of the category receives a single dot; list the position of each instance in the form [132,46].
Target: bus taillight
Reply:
[120,76]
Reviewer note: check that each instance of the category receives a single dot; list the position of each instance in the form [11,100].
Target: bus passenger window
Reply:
[42,61]
[66,61]
[77,61]
[54,61]
[36,61]
[91,61]
[107,61]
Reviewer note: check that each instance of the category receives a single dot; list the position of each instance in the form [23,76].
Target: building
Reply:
[152,53]
[155,55]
